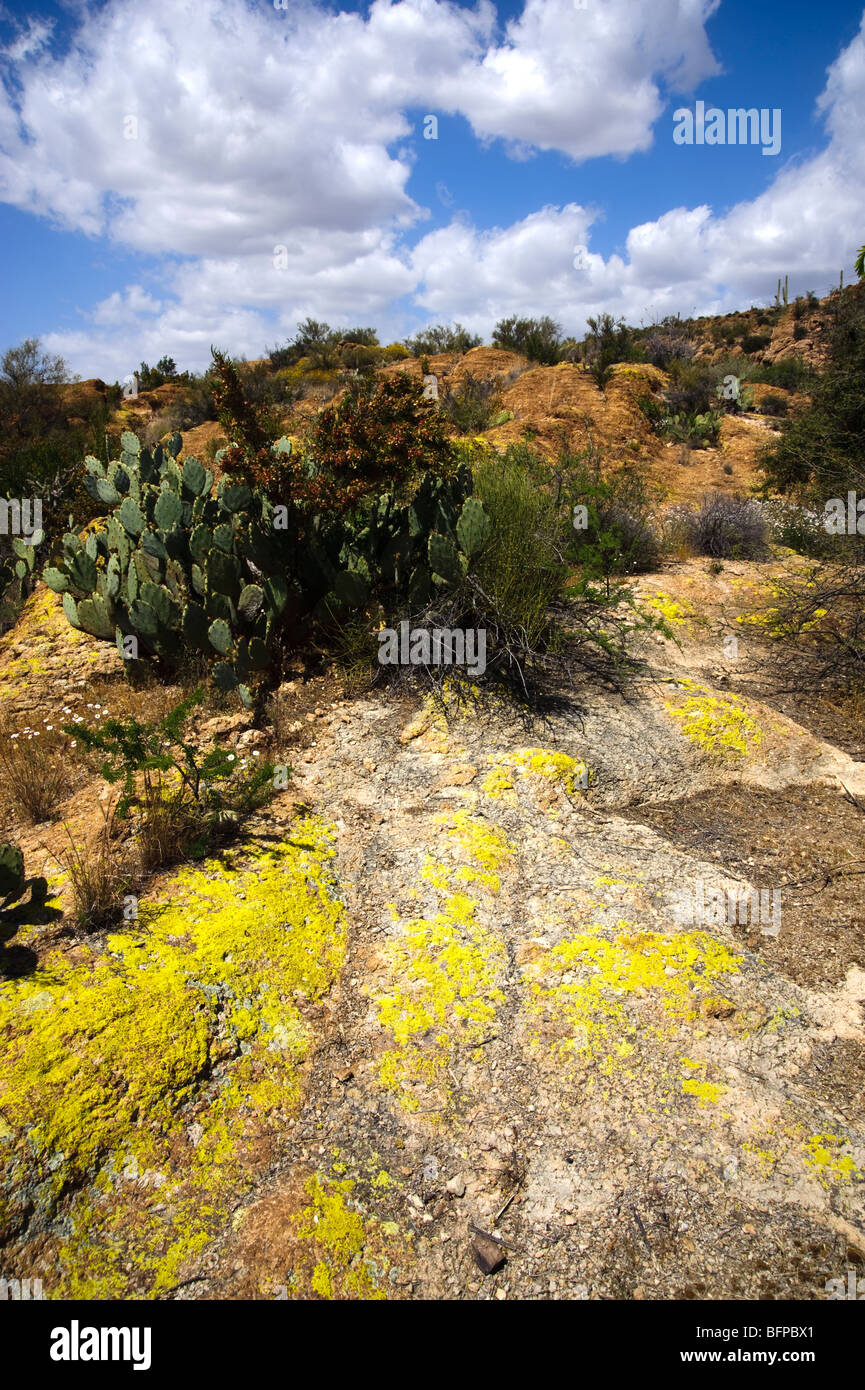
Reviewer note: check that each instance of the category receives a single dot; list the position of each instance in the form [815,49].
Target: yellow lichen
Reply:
[443,993]
[719,726]
[823,1155]
[568,772]
[499,784]
[559,768]
[97,1079]
[676,614]
[580,987]
[338,1237]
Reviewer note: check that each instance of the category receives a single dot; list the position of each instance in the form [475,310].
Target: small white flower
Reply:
[256,754]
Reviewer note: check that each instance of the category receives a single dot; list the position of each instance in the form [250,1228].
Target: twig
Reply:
[501,1211]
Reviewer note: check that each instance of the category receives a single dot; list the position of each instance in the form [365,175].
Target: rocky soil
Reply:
[522,1074]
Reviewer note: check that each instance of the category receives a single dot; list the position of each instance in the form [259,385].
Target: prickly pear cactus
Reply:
[12,881]
[176,564]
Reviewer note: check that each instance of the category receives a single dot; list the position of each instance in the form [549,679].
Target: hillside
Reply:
[430,1022]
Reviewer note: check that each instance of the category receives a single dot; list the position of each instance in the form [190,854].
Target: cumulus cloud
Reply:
[265,155]
[809,222]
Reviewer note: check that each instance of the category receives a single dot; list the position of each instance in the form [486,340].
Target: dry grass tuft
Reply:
[35,777]
[98,879]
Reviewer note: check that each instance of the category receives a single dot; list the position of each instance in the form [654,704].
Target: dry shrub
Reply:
[168,824]
[34,772]
[98,878]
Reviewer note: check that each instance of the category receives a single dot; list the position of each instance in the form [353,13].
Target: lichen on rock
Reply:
[196,1014]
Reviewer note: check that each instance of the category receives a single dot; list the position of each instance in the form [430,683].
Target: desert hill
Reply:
[432,1024]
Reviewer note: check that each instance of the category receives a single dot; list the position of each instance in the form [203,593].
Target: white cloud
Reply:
[808,223]
[261,128]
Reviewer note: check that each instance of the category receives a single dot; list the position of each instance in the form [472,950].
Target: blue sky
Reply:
[261,128]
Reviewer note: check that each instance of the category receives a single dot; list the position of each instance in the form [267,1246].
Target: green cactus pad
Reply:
[250,603]
[194,476]
[473,527]
[168,511]
[219,636]
[130,518]
[444,558]
[94,616]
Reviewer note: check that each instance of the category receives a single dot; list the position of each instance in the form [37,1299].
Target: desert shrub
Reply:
[363,337]
[540,340]
[317,341]
[351,642]
[99,878]
[774,405]
[755,342]
[271,391]
[164,371]
[817,621]
[472,405]
[687,413]
[613,532]
[522,568]
[442,338]
[790,374]
[797,528]
[741,367]
[727,528]
[381,441]
[668,342]
[691,390]
[609,341]
[396,352]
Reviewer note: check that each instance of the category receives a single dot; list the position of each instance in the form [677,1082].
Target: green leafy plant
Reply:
[820,449]
[442,338]
[540,340]
[755,342]
[170,784]
[609,341]
[473,405]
